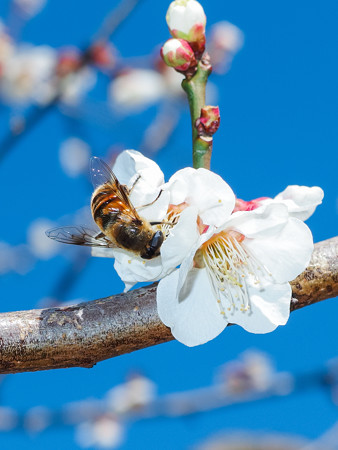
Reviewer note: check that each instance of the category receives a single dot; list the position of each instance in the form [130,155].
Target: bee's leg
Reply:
[134,184]
[162,223]
[151,203]
[100,236]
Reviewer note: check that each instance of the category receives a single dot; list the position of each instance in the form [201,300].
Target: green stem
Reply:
[195,90]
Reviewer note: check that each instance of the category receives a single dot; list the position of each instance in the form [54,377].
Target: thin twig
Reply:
[84,334]
[195,89]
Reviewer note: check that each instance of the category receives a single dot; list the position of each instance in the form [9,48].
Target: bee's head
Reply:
[152,249]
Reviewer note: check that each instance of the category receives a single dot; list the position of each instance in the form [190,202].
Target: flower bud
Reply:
[69,61]
[186,20]
[102,55]
[177,53]
[242,205]
[209,121]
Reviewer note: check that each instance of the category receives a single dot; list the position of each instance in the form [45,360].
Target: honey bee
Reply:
[120,224]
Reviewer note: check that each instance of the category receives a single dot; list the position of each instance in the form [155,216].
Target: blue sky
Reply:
[278,127]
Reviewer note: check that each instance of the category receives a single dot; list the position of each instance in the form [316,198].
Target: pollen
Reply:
[229,263]
[129,261]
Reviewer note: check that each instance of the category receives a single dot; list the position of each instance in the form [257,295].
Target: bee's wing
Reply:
[79,236]
[101,174]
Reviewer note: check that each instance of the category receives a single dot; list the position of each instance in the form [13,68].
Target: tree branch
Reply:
[82,335]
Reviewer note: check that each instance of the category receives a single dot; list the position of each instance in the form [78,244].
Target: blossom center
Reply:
[171,218]
[229,264]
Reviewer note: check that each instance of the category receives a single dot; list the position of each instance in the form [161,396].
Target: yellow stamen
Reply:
[228,263]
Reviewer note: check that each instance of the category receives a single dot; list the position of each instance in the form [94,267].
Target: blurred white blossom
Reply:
[105,432]
[15,258]
[248,440]
[37,419]
[25,72]
[30,7]
[137,89]
[253,370]
[74,156]
[75,85]
[135,393]
[6,47]
[40,245]
[8,418]
[225,41]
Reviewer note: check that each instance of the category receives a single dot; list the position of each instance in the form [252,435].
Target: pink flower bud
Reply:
[69,61]
[186,20]
[242,205]
[177,53]
[102,55]
[209,121]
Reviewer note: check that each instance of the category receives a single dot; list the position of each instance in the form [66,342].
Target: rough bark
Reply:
[84,334]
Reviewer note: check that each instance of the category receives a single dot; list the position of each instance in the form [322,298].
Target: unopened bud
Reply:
[177,53]
[69,61]
[102,55]
[209,121]
[186,20]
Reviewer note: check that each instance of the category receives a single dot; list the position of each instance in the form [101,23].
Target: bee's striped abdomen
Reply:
[106,207]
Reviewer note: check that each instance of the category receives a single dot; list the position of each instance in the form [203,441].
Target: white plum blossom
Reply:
[237,272]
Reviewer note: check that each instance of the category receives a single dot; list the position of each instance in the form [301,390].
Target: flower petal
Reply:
[204,189]
[264,221]
[180,241]
[301,200]
[188,261]
[178,185]
[194,318]
[269,307]
[130,165]
[133,269]
[285,254]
